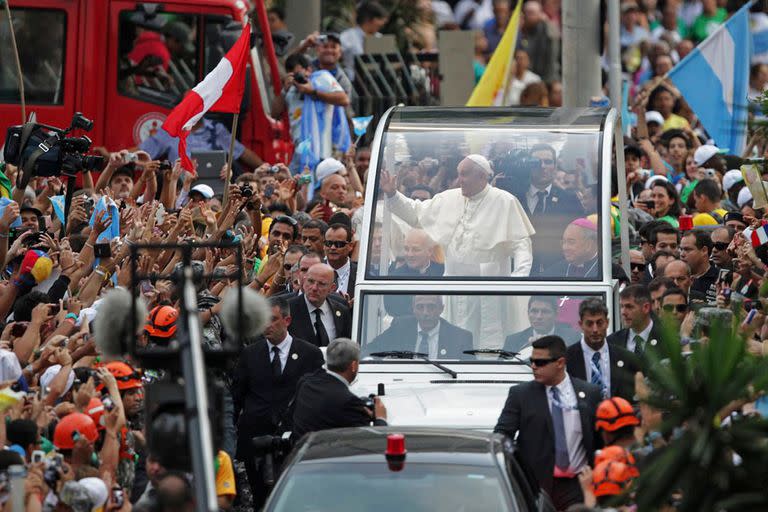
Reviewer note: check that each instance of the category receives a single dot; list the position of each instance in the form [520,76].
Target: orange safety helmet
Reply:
[617,453]
[615,413]
[125,375]
[96,410]
[610,478]
[161,322]
[71,426]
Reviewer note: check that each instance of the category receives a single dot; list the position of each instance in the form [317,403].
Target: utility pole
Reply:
[581,51]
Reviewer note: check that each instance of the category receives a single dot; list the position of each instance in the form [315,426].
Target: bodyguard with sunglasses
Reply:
[553,417]
[338,246]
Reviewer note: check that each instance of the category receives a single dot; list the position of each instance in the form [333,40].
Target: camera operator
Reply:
[323,399]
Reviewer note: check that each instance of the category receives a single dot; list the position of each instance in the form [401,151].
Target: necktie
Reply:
[542,196]
[322,334]
[277,369]
[562,460]
[336,278]
[423,343]
[638,344]
[597,374]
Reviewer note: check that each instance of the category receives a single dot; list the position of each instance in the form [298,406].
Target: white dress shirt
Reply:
[326,317]
[572,422]
[433,336]
[605,362]
[284,347]
[343,281]
[532,197]
[645,335]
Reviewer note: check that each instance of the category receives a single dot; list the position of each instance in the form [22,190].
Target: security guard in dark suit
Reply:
[323,399]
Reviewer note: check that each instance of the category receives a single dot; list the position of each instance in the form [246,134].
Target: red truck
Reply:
[90,56]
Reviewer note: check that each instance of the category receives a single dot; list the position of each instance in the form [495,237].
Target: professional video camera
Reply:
[42,150]
[516,167]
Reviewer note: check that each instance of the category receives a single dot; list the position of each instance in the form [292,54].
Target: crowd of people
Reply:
[76,420]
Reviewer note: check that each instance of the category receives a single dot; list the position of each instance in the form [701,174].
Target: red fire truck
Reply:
[125,64]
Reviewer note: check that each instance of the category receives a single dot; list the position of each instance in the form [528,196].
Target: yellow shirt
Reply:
[673,122]
[225,476]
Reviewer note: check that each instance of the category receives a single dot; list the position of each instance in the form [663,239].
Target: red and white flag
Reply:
[220,91]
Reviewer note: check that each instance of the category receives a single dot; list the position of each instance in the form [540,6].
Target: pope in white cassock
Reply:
[482,229]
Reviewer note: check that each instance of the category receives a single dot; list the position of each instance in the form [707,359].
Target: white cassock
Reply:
[480,235]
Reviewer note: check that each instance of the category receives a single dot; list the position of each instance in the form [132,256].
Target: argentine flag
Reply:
[714,80]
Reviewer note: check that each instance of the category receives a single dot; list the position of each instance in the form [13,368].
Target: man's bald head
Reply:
[334,189]
[680,273]
[318,283]
[418,248]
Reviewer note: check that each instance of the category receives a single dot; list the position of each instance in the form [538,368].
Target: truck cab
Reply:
[445,339]
[125,64]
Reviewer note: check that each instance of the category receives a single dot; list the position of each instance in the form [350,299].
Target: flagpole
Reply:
[230,157]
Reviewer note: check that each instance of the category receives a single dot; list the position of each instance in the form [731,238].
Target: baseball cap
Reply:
[653,116]
[203,189]
[31,209]
[334,36]
[327,167]
[51,372]
[731,178]
[704,153]
[745,196]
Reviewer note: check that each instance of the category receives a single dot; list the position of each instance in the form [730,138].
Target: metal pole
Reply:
[18,61]
[581,51]
[614,58]
[196,396]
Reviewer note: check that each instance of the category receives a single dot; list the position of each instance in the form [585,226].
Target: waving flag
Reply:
[714,79]
[490,89]
[220,91]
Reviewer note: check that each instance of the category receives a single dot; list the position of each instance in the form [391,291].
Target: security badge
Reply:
[620,363]
[294,356]
[582,394]
[338,313]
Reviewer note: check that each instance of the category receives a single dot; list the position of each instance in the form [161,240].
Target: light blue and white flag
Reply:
[113,231]
[4,202]
[714,80]
[57,202]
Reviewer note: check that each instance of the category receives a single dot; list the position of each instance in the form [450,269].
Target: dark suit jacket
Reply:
[433,270]
[324,402]
[302,325]
[624,365]
[526,413]
[261,401]
[402,336]
[560,208]
[519,340]
[620,338]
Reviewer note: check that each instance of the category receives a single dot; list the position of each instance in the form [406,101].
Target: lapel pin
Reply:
[338,313]
[554,199]
[294,356]
[620,364]
[581,394]
[653,343]
[442,352]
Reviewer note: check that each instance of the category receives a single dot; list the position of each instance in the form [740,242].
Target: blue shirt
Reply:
[209,137]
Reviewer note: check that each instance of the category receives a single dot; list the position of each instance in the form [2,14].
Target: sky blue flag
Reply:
[360,124]
[58,207]
[714,79]
[113,231]
[4,202]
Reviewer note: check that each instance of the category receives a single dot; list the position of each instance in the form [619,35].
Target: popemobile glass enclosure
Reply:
[486,229]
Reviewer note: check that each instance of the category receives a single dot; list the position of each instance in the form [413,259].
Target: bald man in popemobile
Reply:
[484,232]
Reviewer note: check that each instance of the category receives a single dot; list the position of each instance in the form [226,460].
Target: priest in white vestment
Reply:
[482,230]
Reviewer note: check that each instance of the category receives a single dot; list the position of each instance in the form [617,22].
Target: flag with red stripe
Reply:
[759,236]
[220,91]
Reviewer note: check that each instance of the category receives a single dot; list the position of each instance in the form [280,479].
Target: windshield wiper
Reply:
[408,354]
[503,354]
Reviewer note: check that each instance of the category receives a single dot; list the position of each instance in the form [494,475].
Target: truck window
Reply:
[158,56]
[42,58]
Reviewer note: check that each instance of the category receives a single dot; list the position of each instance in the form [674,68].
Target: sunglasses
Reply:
[542,362]
[339,244]
[637,266]
[720,246]
[680,308]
